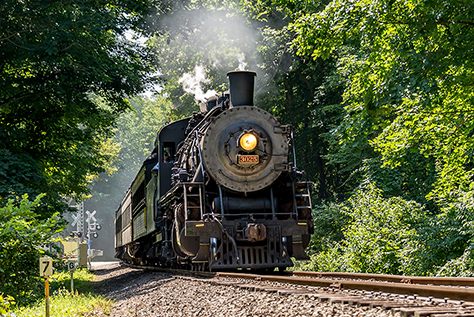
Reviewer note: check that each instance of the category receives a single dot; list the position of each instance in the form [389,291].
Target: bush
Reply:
[6,302]
[374,234]
[368,234]
[331,260]
[446,240]
[381,233]
[329,220]
[462,266]
[23,240]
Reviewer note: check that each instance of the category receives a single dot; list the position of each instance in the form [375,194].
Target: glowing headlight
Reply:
[248,141]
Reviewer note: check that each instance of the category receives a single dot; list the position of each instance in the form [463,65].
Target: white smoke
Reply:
[192,84]
[242,63]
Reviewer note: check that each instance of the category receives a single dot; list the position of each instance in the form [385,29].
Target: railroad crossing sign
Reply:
[92,224]
[90,216]
[76,218]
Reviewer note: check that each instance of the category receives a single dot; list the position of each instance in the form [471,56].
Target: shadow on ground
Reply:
[121,283]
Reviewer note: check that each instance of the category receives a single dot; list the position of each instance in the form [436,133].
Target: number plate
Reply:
[247,159]
[46,266]
[71,265]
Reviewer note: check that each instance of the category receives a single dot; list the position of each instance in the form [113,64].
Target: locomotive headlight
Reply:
[248,141]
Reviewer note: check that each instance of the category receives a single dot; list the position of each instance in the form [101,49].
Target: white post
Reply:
[72,282]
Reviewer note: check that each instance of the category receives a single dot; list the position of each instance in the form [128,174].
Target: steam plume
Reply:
[242,63]
[192,84]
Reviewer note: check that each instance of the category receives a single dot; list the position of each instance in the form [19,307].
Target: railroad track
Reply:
[453,288]
[409,296]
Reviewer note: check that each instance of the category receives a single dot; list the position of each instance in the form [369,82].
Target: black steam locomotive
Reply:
[229,200]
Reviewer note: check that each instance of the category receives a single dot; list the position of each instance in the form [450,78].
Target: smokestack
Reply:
[241,87]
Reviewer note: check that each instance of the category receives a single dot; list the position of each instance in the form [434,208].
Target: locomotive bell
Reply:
[241,87]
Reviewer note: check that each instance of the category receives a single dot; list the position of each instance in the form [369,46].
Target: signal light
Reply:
[76,234]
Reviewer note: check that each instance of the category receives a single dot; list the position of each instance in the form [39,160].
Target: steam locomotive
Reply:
[231,198]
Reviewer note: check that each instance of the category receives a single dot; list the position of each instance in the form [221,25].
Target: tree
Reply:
[407,112]
[302,91]
[135,135]
[411,72]
[214,40]
[54,55]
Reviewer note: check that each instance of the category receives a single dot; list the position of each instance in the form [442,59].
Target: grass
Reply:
[82,280]
[63,303]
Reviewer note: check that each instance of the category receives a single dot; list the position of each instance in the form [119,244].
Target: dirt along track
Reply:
[146,293]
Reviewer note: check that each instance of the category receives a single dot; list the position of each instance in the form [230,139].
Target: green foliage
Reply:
[6,301]
[16,172]
[393,236]
[461,267]
[410,70]
[136,131]
[54,55]
[408,106]
[24,237]
[380,233]
[329,220]
[331,260]
[135,135]
[303,92]
[445,240]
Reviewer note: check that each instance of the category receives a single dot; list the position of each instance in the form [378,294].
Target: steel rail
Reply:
[456,293]
[458,288]
[170,270]
[425,280]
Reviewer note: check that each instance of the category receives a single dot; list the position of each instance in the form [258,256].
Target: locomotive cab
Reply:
[165,145]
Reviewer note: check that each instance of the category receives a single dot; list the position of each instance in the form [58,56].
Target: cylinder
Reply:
[241,87]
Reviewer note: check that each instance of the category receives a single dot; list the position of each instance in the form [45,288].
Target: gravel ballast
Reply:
[144,293]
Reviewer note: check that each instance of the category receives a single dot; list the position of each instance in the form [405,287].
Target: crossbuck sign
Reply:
[76,218]
[90,216]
